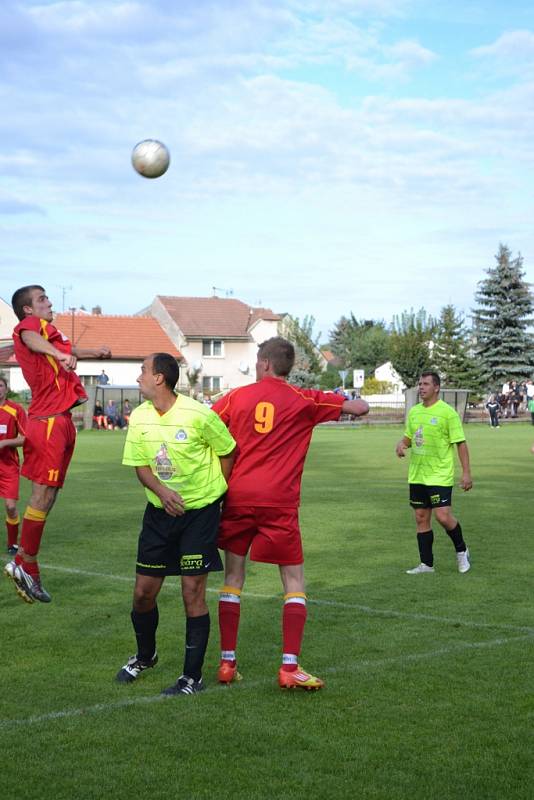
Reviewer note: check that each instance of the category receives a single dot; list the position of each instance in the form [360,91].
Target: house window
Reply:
[212,347]
[211,383]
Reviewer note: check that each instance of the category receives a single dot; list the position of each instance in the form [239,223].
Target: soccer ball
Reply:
[150,158]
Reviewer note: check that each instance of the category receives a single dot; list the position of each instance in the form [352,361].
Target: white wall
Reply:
[119,372]
[8,320]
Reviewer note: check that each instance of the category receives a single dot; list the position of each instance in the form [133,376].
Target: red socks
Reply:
[293,622]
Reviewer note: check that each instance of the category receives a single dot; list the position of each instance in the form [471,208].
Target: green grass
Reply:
[429,678]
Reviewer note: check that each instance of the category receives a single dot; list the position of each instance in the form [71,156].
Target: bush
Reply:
[374,386]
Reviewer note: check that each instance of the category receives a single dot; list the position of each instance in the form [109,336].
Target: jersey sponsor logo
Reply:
[163,464]
[190,562]
[181,435]
[433,421]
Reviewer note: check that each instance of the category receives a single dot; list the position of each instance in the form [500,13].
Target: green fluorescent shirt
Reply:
[181,447]
[433,431]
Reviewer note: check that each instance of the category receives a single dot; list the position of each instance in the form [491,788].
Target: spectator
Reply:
[514,396]
[103,379]
[126,411]
[494,408]
[98,416]
[112,415]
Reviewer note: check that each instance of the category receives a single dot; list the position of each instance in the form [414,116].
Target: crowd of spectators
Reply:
[515,398]
[111,418]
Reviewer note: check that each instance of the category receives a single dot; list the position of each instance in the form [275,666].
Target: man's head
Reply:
[276,357]
[4,388]
[158,371]
[31,301]
[429,387]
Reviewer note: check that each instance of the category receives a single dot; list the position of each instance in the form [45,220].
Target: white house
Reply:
[217,337]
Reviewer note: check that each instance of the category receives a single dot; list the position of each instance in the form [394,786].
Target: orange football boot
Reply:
[298,680]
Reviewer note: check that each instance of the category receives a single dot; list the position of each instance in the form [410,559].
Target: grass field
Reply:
[429,678]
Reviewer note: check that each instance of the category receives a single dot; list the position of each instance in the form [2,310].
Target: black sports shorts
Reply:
[422,496]
[183,545]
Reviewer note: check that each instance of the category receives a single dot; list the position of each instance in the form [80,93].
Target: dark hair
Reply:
[23,297]
[166,365]
[436,380]
[280,353]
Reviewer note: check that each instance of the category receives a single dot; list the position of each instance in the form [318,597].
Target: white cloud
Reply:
[515,45]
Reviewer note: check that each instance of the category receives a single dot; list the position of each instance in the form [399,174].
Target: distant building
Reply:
[386,372]
[217,337]
[131,339]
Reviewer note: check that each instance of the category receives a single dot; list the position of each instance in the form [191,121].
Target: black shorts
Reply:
[422,496]
[183,545]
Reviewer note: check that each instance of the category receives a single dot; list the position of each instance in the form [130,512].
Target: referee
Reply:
[183,454]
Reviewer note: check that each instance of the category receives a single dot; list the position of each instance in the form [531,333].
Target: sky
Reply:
[328,157]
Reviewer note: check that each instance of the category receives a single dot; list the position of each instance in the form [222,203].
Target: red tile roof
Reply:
[128,337]
[214,316]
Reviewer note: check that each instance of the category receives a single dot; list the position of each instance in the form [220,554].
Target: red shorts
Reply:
[9,481]
[271,534]
[48,449]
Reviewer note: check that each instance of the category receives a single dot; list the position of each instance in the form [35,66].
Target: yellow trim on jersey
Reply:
[51,360]
[9,409]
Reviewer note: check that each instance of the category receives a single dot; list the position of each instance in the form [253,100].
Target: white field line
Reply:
[359,666]
[463,623]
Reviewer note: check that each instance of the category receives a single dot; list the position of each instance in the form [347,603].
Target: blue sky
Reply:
[328,157]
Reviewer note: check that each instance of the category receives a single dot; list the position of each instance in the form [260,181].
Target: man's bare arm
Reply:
[227,462]
[357,408]
[37,344]
[92,352]
[466,482]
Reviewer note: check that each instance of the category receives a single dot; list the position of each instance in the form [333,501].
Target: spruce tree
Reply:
[503,343]
[457,367]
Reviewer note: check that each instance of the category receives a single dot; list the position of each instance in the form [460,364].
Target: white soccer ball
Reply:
[150,158]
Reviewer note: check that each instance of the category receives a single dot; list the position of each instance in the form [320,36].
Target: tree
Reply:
[450,354]
[307,369]
[504,312]
[362,344]
[411,335]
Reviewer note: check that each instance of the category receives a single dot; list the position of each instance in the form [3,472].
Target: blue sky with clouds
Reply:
[328,157]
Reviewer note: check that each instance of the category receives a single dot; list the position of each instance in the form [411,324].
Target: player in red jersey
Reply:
[48,361]
[272,423]
[12,425]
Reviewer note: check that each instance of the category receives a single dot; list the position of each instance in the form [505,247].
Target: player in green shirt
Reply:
[183,454]
[432,430]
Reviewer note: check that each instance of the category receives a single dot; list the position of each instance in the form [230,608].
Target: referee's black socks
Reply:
[145,626]
[197,631]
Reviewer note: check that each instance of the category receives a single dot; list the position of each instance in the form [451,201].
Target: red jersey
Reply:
[272,423]
[54,389]
[12,424]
